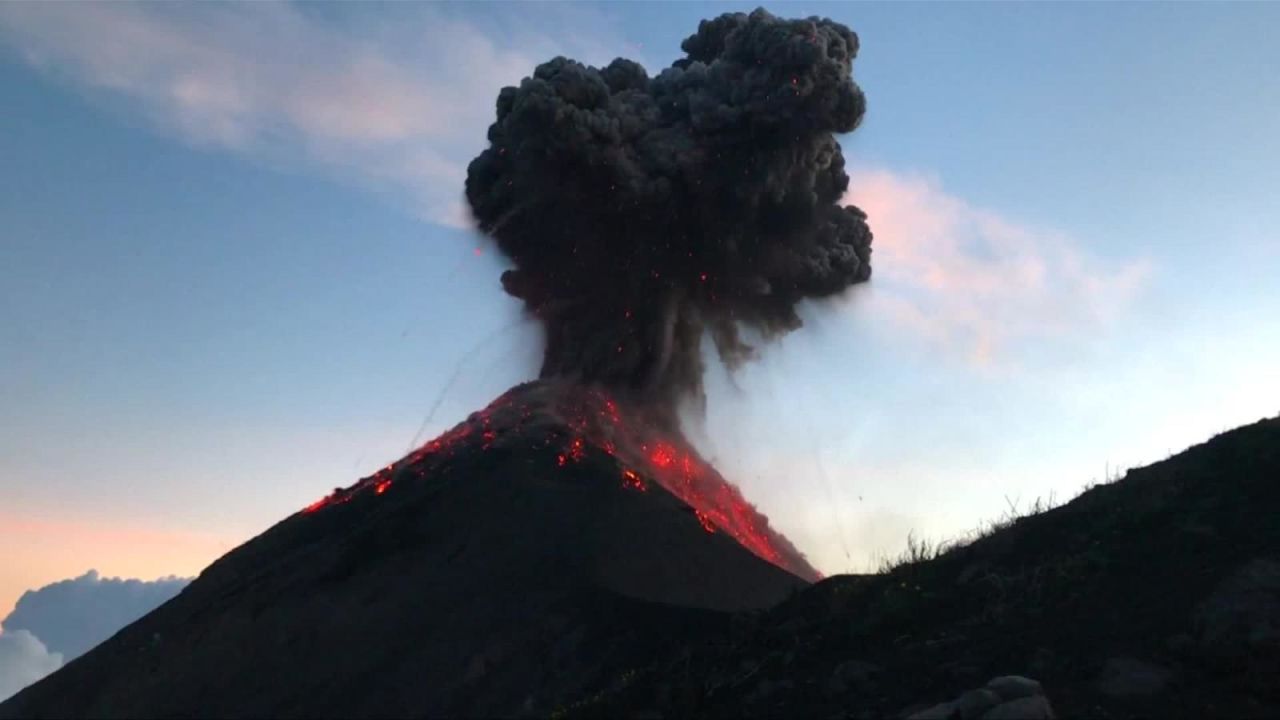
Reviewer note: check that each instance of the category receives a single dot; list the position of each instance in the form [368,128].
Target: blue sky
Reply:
[235,272]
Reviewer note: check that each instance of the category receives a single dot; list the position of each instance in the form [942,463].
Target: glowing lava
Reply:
[570,425]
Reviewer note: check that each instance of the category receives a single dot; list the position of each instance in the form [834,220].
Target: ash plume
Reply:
[642,212]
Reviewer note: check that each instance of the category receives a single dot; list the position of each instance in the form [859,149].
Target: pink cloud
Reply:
[398,106]
[975,283]
[402,108]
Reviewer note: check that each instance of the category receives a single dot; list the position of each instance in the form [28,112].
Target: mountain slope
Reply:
[513,564]
[1157,595]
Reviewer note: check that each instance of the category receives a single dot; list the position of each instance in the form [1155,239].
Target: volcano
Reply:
[526,558]
[567,534]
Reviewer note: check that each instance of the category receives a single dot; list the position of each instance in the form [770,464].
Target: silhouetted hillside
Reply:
[1157,595]
[505,573]
[528,556]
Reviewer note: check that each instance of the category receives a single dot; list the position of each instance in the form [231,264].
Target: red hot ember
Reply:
[571,424]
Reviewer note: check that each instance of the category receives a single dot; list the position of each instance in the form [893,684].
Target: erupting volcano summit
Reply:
[568,533]
[641,212]
[571,424]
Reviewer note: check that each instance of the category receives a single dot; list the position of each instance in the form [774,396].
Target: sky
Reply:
[236,269]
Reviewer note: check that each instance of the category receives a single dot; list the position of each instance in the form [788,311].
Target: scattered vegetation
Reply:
[1076,594]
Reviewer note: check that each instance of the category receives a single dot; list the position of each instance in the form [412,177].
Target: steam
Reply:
[644,212]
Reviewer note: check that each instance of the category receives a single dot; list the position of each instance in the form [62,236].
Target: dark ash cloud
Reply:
[644,212]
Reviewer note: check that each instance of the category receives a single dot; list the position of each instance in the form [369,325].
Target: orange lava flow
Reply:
[576,424]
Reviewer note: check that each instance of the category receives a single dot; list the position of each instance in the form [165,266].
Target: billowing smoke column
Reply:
[641,212]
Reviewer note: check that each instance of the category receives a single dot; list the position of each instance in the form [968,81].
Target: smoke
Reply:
[642,213]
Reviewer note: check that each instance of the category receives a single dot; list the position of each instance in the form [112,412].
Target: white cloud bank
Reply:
[23,660]
[63,620]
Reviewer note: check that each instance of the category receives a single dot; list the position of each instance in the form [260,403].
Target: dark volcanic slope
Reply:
[500,572]
[1154,596]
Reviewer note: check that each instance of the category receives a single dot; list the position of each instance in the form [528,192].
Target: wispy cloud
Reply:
[976,283]
[400,105]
